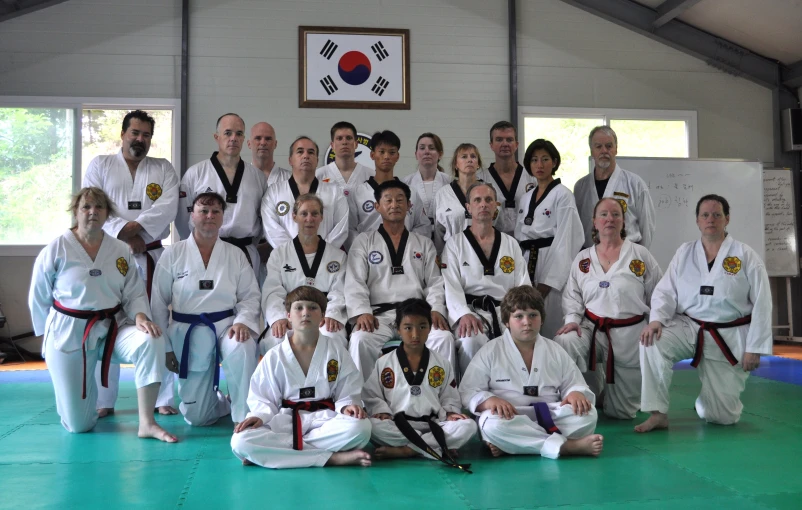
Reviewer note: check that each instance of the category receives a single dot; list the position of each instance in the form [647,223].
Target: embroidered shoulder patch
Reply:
[584,265]
[333,267]
[153,191]
[332,370]
[623,204]
[122,266]
[637,267]
[436,376]
[506,264]
[732,265]
[388,378]
[282,208]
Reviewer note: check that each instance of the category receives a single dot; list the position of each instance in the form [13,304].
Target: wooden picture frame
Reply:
[351,67]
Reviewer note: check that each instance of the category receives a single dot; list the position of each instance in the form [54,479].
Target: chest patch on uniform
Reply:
[154,191]
[530,391]
[732,265]
[388,378]
[547,213]
[122,266]
[282,208]
[375,257]
[205,284]
[706,290]
[368,206]
[134,206]
[584,265]
[95,272]
[623,204]
[333,267]
[604,285]
[507,264]
[307,392]
[436,376]
[620,194]
[332,369]
[637,267]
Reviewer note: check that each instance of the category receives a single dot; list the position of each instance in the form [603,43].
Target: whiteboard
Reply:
[780,218]
[676,184]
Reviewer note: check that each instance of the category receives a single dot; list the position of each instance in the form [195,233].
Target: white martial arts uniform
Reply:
[363,216]
[330,174]
[277,207]
[64,272]
[736,286]
[623,292]
[241,219]
[467,272]
[629,189]
[427,189]
[182,280]
[498,370]
[278,174]
[389,390]
[331,375]
[450,215]
[286,272]
[370,282]
[554,217]
[150,199]
[509,199]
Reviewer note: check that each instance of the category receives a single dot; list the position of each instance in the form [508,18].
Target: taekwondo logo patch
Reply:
[732,265]
[333,267]
[530,187]
[375,257]
[154,191]
[507,264]
[637,267]
[362,154]
[388,378]
[122,266]
[584,265]
[436,376]
[368,206]
[282,208]
[332,369]
[623,204]
[288,268]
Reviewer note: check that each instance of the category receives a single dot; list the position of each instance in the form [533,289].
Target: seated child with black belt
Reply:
[527,393]
[305,398]
[411,395]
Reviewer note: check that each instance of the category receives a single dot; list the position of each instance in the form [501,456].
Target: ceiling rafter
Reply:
[670,9]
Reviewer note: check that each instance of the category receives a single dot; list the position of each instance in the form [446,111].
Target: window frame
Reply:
[77,105]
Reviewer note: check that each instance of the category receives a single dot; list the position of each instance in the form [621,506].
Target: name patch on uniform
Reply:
[732,265]
[134,206]
[437,376]
[332,370]
[706,290]
[122,266]
[530,391]
[375,257]
[206,284]
[307,392]
[584,265]
[604,285]
[231,199]
[638,267]
[153,191]
[368,206]
[620,194]
[398,269]
[388,378]
[333,267]
[506,264]
[182,274]
[95,272]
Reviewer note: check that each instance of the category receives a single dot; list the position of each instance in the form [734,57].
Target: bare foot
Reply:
[352,458]
[246,462]
[394,452]
[495,450]
[105,411]
[589,445]
[656,421]
[167,410]
[156,432]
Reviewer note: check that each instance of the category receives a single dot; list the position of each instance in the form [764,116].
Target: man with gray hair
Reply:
[610,180]
[239,183]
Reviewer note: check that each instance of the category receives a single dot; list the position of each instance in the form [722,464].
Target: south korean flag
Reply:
[349,67]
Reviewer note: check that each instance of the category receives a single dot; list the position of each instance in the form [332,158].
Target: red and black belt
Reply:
[151,266]
[606,324]
[91,317]
[297,407]
[712,328]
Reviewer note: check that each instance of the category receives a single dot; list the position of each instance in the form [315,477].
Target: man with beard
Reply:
[610,180]
[144,191]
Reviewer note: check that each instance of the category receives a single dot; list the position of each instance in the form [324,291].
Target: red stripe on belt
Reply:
[311,406]
[606,324]
[151,266]
[92,317]
[712,328]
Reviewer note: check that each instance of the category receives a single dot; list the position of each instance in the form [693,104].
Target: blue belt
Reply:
[544,419]
[193,320]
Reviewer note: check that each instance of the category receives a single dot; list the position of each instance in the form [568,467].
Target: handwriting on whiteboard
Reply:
[780,229]
[671,192]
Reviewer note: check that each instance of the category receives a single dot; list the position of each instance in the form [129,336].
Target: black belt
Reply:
[534,245]
[384,307]
[402,420]
[242,243]
[488,304]
[151,264]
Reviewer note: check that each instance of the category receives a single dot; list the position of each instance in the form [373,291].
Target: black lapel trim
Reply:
[413,379]
[232,189]
[299,250]
[534,203]
[509,195]
[396,258]
[488,264]
[294,187]
[460,197]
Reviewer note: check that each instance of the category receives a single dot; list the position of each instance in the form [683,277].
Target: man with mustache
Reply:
[144,191]
[610,180]
[239,183]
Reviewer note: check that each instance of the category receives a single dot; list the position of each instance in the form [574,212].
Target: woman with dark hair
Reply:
[549,230]
[607,294]
[712,305]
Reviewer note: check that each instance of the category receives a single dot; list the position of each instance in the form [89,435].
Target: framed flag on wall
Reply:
[343,67]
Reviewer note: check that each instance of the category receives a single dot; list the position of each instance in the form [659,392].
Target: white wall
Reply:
[243,58]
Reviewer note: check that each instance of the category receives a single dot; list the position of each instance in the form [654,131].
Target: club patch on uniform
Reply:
[620,194]
[584,265]
[122,266]
[732,265]
[506,264]
[333,267]
[623,204]
[530,186]
[332,369]
[282,208]
[95,272]
[153,191]
[530,391]
[637,267]
[437,376]
[604,285]
[368,206]
[308,392]
[388,378]
[375,257]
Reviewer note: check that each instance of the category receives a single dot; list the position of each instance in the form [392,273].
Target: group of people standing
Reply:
[383,307]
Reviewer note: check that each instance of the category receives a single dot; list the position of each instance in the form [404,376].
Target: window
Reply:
[645,133]
[45,146]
